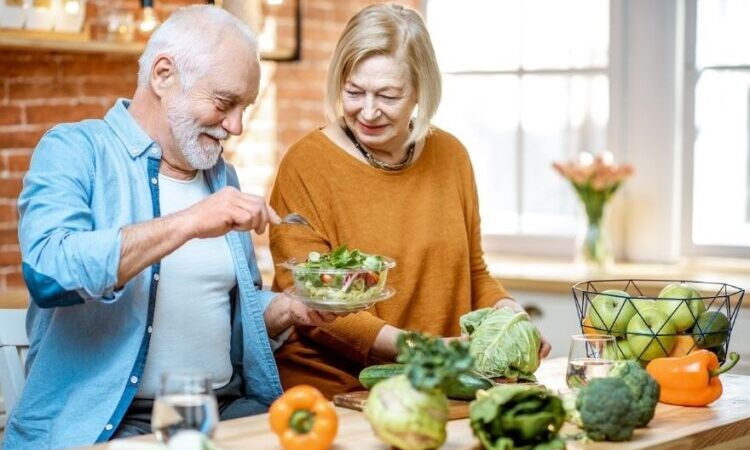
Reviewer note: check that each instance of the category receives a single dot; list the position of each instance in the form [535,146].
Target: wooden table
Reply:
[724,425]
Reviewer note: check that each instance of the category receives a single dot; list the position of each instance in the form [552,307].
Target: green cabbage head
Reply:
[406,418]
[504,343]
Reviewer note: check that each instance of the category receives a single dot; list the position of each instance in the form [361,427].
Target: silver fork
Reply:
[295,218]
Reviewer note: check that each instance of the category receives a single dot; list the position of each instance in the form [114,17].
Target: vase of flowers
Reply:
[595,180]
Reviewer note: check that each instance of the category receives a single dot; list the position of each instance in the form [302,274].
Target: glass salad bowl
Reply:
[341,281]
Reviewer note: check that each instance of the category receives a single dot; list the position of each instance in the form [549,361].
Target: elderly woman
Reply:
[383,180]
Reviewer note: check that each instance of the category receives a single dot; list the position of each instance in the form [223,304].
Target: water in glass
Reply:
[587,359]
[185,402]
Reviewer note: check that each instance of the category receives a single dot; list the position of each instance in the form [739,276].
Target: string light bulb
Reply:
[149,20]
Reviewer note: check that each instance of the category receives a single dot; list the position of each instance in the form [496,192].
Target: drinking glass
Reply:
[588,358]
[185,402]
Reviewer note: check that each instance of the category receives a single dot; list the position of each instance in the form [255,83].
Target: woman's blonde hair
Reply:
[395,31]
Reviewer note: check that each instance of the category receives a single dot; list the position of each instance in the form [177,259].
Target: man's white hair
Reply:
[191,36]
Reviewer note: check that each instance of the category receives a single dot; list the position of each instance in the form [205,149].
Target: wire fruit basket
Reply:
[658,318]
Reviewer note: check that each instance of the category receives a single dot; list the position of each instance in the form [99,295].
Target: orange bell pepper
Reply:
[690,380]
[303,419]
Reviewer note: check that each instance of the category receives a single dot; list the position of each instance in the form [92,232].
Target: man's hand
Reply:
[284,312]
[507,302]
[226,210]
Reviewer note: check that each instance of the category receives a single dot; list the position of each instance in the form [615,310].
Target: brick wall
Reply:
[39,89]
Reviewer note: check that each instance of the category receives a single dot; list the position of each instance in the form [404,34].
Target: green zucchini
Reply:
[370,376]
[464,387]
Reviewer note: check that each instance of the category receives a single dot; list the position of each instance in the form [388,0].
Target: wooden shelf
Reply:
[66,42]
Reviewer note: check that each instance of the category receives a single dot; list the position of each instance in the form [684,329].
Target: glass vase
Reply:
[593,247]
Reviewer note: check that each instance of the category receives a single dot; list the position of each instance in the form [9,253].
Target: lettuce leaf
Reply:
[504,343]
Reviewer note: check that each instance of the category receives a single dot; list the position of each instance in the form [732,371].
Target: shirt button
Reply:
[156,277]
[154,151]
[154,181]
[108,427]
[150,329]
[134,379]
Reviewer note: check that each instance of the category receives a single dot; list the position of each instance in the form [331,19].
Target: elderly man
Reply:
[136,251]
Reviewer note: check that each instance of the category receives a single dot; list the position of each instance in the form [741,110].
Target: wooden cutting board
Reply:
[457,409]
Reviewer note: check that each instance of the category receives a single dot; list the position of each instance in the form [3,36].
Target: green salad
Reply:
[344,275]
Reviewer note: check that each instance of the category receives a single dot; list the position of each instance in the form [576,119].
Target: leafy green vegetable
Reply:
[608,409]
[517,417]
[343,258]
[410,411]
[643,387]
[430,363]
[463,387]
[504,343]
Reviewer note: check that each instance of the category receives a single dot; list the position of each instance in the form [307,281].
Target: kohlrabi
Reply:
[410,411]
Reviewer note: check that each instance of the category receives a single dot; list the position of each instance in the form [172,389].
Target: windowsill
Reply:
[556,275]
[559,275]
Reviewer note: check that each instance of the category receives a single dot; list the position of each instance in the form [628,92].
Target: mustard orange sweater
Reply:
[426,217]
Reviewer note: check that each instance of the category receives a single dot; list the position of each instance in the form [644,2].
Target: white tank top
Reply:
[192,317]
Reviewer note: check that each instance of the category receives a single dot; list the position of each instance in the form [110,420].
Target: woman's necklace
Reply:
[378,164]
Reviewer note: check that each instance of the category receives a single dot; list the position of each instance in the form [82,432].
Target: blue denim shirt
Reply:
[89,340]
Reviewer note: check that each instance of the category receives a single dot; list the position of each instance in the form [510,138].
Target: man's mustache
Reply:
[215,132]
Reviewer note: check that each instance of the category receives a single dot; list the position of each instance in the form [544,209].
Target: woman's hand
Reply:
[301,314]
[508,302]
[284,312]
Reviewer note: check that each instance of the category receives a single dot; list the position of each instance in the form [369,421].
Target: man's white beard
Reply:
[186,132]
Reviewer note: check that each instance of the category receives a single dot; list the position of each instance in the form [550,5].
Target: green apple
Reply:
[711,329]
[611,310]
[642,304]
[618,350]
[685,301]
[651,334]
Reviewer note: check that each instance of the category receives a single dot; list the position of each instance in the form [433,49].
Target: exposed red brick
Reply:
[14,280]
[54,114]
[21,139]
[10,187]
[31,68]
[26,90]
[8,213]
[8,236]
[116,87]
[100,66]
[10,257]
[10,115]
[18,161]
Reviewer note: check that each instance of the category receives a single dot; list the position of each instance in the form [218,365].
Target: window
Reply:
[719,86]
[526,82]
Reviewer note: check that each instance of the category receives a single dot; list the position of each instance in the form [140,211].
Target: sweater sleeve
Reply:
[299,191]
[485,290]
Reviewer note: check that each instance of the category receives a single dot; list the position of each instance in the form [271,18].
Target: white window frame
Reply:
[551,245]
[651,126]
[691,79]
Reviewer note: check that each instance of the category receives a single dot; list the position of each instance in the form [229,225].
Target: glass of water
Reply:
[588,359]
[185,401]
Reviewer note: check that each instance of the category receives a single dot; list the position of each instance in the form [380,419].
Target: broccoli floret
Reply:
[643,387]
[608,409]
